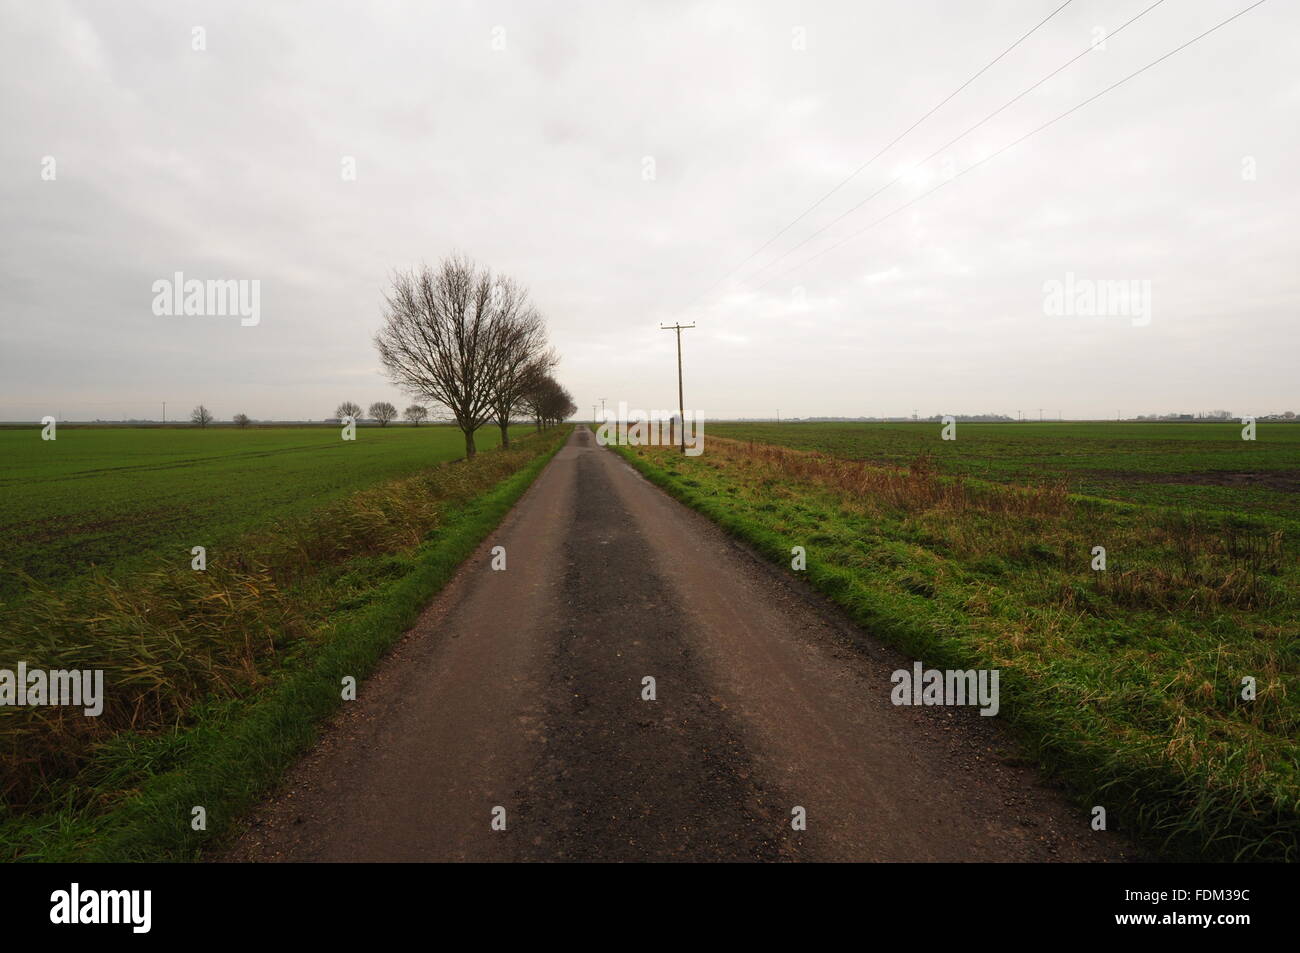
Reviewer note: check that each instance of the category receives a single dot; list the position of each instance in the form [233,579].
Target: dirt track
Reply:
[522,689]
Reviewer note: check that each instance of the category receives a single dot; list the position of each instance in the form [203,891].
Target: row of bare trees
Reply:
[548,403]
[383,412]
[467,340]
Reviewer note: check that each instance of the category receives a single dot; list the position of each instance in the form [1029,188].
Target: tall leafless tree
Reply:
[441,337]
[524,359]
[201,415]
[416,413]
[349,408]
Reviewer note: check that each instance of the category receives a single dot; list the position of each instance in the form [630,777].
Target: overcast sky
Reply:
[521,134]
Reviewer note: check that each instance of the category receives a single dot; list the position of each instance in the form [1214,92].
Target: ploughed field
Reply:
[120,498]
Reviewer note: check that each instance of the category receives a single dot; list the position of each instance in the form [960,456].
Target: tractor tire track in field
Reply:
[522,689]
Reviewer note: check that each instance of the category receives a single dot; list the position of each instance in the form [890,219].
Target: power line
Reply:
[1016,142]
[951,142]
[854,174]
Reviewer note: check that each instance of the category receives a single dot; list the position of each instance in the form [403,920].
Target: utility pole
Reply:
[681,403]
[1040,415]
[593,415]
[602,408]
[164,411]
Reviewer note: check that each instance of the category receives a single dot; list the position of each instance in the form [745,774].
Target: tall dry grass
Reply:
[919,487]
[1198,565]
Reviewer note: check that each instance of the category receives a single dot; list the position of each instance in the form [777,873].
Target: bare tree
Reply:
[523,358]
[534,398]
[241,420]
[200,415]
[383,411]
[440,338]
[416,413]
[348,408]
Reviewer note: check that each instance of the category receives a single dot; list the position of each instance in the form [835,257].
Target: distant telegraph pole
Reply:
[681,403]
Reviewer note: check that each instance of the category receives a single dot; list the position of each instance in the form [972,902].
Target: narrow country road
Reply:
[522,690]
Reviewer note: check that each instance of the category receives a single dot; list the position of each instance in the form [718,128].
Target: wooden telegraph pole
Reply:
[681,403]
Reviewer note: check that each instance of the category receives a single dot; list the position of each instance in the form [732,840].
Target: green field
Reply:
[220,677]
[1124,681]
[120,497]
[1196,465]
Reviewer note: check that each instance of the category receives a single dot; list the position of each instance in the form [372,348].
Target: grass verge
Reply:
[1126,684]
[219,679]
